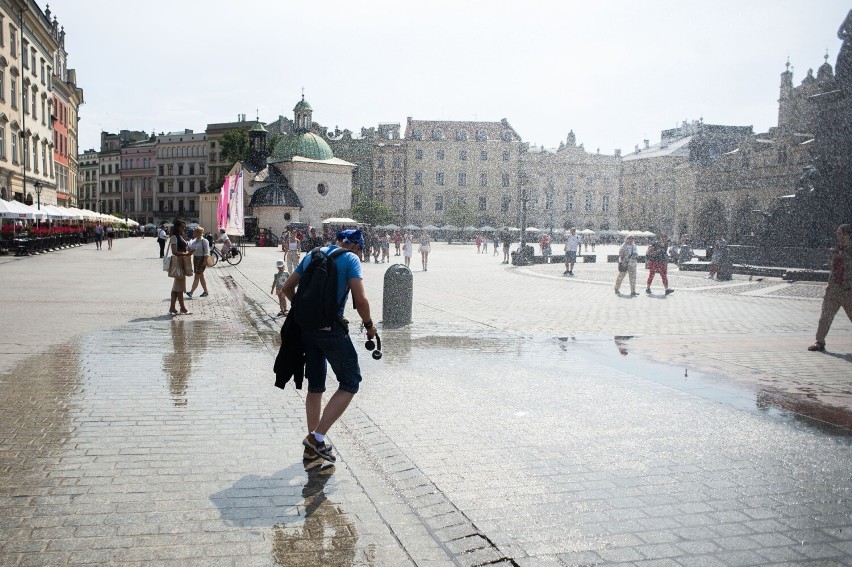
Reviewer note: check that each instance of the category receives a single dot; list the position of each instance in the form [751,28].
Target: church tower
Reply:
[258,146]
[303,116]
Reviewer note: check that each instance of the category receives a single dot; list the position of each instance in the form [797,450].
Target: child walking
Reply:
[278,284]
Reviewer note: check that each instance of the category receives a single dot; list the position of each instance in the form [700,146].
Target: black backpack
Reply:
[315,304]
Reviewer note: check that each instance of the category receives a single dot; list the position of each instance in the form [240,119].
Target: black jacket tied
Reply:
[290,362]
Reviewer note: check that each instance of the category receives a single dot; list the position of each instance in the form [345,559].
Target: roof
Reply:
[302,105]
[277,194]
[493,129]
[307,145]
[677,148]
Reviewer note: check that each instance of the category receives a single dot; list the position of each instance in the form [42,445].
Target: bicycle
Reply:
[233,257]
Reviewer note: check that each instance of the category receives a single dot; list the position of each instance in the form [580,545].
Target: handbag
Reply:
[187,265]
[176,267]
[209,261]
[622,267]
[167,259]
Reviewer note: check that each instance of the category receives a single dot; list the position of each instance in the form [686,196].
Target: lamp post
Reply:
[38,186]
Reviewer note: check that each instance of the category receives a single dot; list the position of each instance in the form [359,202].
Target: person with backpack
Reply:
[318,289]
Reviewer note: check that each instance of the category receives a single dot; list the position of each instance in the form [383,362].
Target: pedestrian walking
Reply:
[200,247]
[628,256]
[331,345]
[485,245]
[658,257]
[397,241]
[99,235]
[280,277]
[544,244]
[290,246]
[838,292]
[384,241]
[425,248]
[507,243]
[110,233]
[478,242]
[179,269]
[720,252]
[496,244]
[572,243]
[407,248]
[162,237]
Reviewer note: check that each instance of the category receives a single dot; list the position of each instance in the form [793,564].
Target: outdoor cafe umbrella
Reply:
[449,227]
[513,229]
[431,227]
[487,228]
[392,227]
[470,229]
[411,227]
[532,229]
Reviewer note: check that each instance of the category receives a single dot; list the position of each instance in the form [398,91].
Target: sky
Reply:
[615,72]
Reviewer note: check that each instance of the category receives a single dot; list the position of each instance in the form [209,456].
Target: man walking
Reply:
[332,344]
[838,293]
[658,259]
[572,242]
[161,239]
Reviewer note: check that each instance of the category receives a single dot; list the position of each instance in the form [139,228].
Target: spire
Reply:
[825,74]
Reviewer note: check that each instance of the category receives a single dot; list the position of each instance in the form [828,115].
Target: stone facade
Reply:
[87,188]
[182,159]
[138,179]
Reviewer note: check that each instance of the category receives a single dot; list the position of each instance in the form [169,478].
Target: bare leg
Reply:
[333,410]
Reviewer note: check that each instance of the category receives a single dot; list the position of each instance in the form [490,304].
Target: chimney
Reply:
[637,148]
[647,145]
[617,152]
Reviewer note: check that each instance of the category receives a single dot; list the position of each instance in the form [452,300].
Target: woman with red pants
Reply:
[658,261]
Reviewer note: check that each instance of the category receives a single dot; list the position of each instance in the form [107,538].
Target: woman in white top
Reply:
[425,248]
[407,247]
[291,250]
[200,251]
[628,256]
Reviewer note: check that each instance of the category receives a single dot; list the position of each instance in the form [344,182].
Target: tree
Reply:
[372,212]
[235,145]
[743,219]
[710,221]
[461,215]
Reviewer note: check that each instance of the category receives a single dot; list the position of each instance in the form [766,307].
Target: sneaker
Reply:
[189,294]
[617,292]
[309,455]
[669,291]
[633,294]
[565,273]
[321,449]
[708,277]
[648,291]
[819,347]
[205,294]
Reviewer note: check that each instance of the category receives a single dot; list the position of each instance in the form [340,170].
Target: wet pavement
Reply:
[525,418]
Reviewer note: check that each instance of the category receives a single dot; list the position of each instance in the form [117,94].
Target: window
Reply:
[506,155]
[437,134]
[481,136]
[13,39]
[605,203]
[418,134]
[439,154]
[44,160]
[42,72]
[2,82]
[13,91]
[397,180]
[439,202]
[2,138]
[418,153]
[507,136]
[569,202]
[322,189]
[161,168]
[588,204]
[463,155]
[461,135]
[462,202]
[180,169]
[25,54]
[192,185]
[483,180]
[505,179]
[192,169]
[200,169]
[504,203]
[590,180]
[180,186]
[418,178]
[548,201]
[570,182]
[381,163]
[483,155]
[14,148]
[418,202]
[170,169]
[397,162]
[162,190]
[483,203]
[35,105]
[462,179]
[380,180]
[439,178]
[25,98]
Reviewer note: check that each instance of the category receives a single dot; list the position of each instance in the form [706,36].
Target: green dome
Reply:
[307,145]
[302,105]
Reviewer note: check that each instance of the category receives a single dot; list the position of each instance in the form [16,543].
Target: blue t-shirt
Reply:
[348,267]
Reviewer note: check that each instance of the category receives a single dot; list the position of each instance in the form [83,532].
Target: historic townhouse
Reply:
[217,165]
[67,98]
[182,159]
[473,164]
[138,173]
[570,187]
[388,161]
[87,189]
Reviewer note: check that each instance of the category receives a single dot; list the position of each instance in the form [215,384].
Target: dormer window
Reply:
[481,136]
[507,136]
[461,135]
[418,134]
[437,134]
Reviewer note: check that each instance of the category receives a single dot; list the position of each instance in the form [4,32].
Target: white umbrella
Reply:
[513,229]
[532,229]
[9,211]
[487,228]
[470,229]
[411,227]
[22,208]
[431,227]
[587,231]
[339,220]
[450,227]
[54,212]
[392,227]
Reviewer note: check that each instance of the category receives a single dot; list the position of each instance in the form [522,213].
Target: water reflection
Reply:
[189,342]
[326,537]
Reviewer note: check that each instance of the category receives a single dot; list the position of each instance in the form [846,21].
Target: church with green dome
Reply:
[300,182]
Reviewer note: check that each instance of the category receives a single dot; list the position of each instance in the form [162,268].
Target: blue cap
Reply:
[351,236]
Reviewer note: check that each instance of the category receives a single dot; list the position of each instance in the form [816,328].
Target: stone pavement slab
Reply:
[515,422]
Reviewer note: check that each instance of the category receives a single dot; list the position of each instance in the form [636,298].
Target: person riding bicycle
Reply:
[226,244]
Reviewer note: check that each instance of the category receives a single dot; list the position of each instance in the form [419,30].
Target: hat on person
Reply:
[279,264]
[351,236]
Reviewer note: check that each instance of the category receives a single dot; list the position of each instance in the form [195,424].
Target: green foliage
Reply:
[235,145]
[372,212]
[711,221]
[461,215]
[743,219]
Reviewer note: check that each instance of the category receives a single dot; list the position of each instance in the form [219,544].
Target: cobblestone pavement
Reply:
[524,418]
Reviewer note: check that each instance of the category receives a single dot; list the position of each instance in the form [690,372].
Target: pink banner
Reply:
[222,209]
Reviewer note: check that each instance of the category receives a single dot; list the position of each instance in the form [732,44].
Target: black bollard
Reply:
[398,296]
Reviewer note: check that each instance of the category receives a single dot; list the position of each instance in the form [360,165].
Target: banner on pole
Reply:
[222,208]
[236,212]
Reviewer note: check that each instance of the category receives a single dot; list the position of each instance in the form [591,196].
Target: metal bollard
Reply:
[398,296]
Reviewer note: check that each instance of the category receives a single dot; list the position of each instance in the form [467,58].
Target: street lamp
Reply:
[38,186]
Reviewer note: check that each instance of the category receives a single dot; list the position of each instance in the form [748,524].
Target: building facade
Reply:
[181,160]
[470,165]
[138,175]
[570,187]
[67,98]
[87,188]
